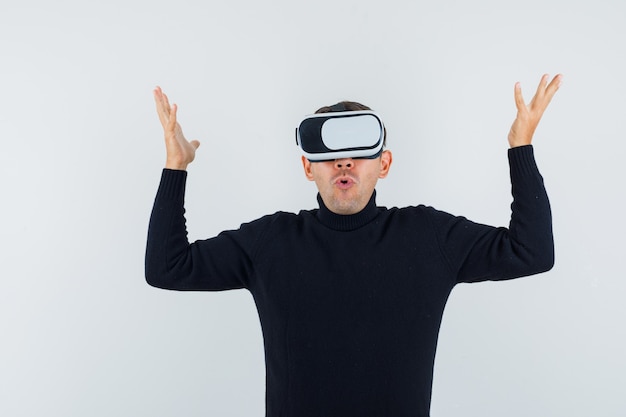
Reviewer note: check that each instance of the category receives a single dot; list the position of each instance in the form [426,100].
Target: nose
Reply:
[346,163]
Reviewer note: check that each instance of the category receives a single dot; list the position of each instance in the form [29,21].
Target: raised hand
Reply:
[528,116]
[180,151]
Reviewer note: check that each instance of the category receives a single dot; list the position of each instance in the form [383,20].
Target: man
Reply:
[350,296]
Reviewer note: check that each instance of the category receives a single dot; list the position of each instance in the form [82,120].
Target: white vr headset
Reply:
[344,134]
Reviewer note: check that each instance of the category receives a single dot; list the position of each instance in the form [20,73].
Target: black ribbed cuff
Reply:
[172,184]
[522,162]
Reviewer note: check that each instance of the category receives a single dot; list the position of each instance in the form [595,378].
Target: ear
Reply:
[306,164]
[385,163]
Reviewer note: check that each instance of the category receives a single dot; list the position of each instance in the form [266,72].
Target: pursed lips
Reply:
[344,182]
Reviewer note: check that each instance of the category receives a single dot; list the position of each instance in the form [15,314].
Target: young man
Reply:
[350,296]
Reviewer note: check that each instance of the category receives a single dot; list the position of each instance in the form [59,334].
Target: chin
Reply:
[346,207]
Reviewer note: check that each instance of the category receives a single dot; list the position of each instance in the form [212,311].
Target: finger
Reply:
[541,88]
[554,85]
[163,105]
[166,104]
[171,124]
[519,99]
[158,100]
[158,96]
[549,91]
[195,144]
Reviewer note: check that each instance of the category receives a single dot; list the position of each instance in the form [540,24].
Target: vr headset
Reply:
[343,134]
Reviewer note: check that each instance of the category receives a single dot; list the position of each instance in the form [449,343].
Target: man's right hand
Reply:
[180,152]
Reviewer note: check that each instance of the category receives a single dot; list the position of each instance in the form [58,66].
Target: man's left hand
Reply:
[528,116]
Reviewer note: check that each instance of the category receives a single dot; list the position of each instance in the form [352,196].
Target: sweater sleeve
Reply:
[219,263]
[478,252]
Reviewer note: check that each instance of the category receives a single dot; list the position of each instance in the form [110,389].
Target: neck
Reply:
[345,222]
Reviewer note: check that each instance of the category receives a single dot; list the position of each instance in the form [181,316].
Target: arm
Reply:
[478,252]
[219,263]
[171,262]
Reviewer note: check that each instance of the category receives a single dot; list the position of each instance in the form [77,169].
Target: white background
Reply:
[82,334]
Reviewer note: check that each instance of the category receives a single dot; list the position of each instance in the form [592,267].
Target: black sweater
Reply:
[350,306]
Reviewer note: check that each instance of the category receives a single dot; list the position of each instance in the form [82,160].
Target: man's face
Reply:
[346,185]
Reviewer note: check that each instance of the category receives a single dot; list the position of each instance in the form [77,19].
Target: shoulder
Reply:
[414,212]
[280,220]
[421,217]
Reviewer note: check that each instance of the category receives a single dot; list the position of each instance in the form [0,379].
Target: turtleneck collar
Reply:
[346,222]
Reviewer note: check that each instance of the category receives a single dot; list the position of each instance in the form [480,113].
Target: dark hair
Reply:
[349,106]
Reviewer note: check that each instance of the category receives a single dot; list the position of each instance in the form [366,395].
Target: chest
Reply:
[374,275]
